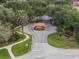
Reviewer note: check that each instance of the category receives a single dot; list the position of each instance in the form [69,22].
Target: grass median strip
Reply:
[22,48]
[4,54]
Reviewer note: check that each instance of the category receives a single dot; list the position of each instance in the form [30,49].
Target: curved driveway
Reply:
[42,50]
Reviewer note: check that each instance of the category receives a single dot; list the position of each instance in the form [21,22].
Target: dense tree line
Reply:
[61,11]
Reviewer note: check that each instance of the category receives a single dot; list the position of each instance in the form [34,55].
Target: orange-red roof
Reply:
[39,24]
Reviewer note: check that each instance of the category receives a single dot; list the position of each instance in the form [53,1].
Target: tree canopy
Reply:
[59,10]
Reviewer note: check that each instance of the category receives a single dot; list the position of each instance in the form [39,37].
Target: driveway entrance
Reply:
[42,50]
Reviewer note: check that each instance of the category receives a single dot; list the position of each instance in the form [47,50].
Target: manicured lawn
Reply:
[4,54]
[62,43]
[21,48]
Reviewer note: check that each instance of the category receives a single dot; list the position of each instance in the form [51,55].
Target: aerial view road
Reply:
[39,29]
[42,50]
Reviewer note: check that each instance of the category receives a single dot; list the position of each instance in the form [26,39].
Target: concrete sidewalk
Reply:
[42,50]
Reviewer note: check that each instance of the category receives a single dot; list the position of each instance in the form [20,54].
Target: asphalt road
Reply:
[42,50]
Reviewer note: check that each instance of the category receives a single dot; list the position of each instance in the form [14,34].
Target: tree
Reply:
[6,23]
[21,18]
[5,32]
[16,5]
[6,15]
[39,7]
[31,7]
[66,16]
[36,8]
[2,1]
[75,22]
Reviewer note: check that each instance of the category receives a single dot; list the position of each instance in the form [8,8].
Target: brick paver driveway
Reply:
[42,50]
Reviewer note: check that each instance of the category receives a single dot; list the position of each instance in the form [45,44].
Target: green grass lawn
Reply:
[18,49]
[62,43]
[21,48]
[4,54]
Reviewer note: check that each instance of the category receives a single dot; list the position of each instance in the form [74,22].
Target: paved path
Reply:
[9,47]
[42,50]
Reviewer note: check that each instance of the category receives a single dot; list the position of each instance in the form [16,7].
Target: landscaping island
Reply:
[18,48]
[4,54]
[22,48]
[62,43]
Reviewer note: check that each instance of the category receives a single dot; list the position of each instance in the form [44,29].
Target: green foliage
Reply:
[64,15]
[61,43]
[2,1]
[4,54]
[31,7]
[61,2]
[18,36]
[17,5]
[60,10]
[21,48]
[5,31]
[6,15]
[39,7]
